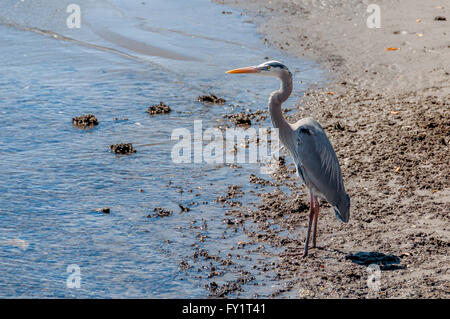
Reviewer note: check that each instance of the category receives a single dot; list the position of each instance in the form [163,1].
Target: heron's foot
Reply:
[305,252]
[295,252]
[298,252]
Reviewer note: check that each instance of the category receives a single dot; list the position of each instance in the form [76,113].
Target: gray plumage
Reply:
[318,166]
[314,156]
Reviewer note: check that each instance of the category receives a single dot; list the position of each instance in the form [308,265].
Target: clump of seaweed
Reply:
[123,148]
[85,121]
[211,99]
[160,108]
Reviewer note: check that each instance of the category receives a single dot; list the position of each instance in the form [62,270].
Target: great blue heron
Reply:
[315,159]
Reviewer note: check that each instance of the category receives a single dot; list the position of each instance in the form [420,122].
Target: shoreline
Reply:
[386,112]
[338,38]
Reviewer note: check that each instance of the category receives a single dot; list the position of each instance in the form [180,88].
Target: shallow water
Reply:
[125,56]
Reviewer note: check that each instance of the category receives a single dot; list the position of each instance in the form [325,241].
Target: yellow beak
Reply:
[249,69]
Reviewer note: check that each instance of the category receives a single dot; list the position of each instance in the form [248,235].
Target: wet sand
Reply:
[386,112]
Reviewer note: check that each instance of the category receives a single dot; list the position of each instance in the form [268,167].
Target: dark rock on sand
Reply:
[160,108]
[123,148]
[440,18]
[85,121]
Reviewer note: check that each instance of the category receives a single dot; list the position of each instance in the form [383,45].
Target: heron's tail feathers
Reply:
[342,210]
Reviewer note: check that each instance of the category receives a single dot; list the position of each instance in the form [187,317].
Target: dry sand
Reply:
[387,114]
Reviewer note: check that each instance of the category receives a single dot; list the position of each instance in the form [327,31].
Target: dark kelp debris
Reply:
[184,265]
[85,121]
[184,208]
[161,212]
[239,118]
[104,210]
[440,18]
[235,191]
[245,118]
[260,181]
[211,99]
[123,148]
[160,108]
[229,287]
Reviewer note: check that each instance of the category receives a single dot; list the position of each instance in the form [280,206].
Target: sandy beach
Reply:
[386,111]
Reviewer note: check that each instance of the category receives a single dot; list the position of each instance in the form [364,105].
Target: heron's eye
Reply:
[267,67]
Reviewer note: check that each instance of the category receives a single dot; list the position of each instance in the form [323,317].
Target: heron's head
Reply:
[342,210]
[270,68]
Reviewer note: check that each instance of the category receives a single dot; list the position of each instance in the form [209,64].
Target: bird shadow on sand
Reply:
[386,262]
[363,258]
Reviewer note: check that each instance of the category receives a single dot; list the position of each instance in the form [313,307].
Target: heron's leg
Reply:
[316,217]
[311,215]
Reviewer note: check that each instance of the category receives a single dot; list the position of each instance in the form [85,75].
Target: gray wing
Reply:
[317,162]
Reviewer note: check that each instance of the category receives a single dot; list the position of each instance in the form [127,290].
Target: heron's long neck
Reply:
[275,101]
